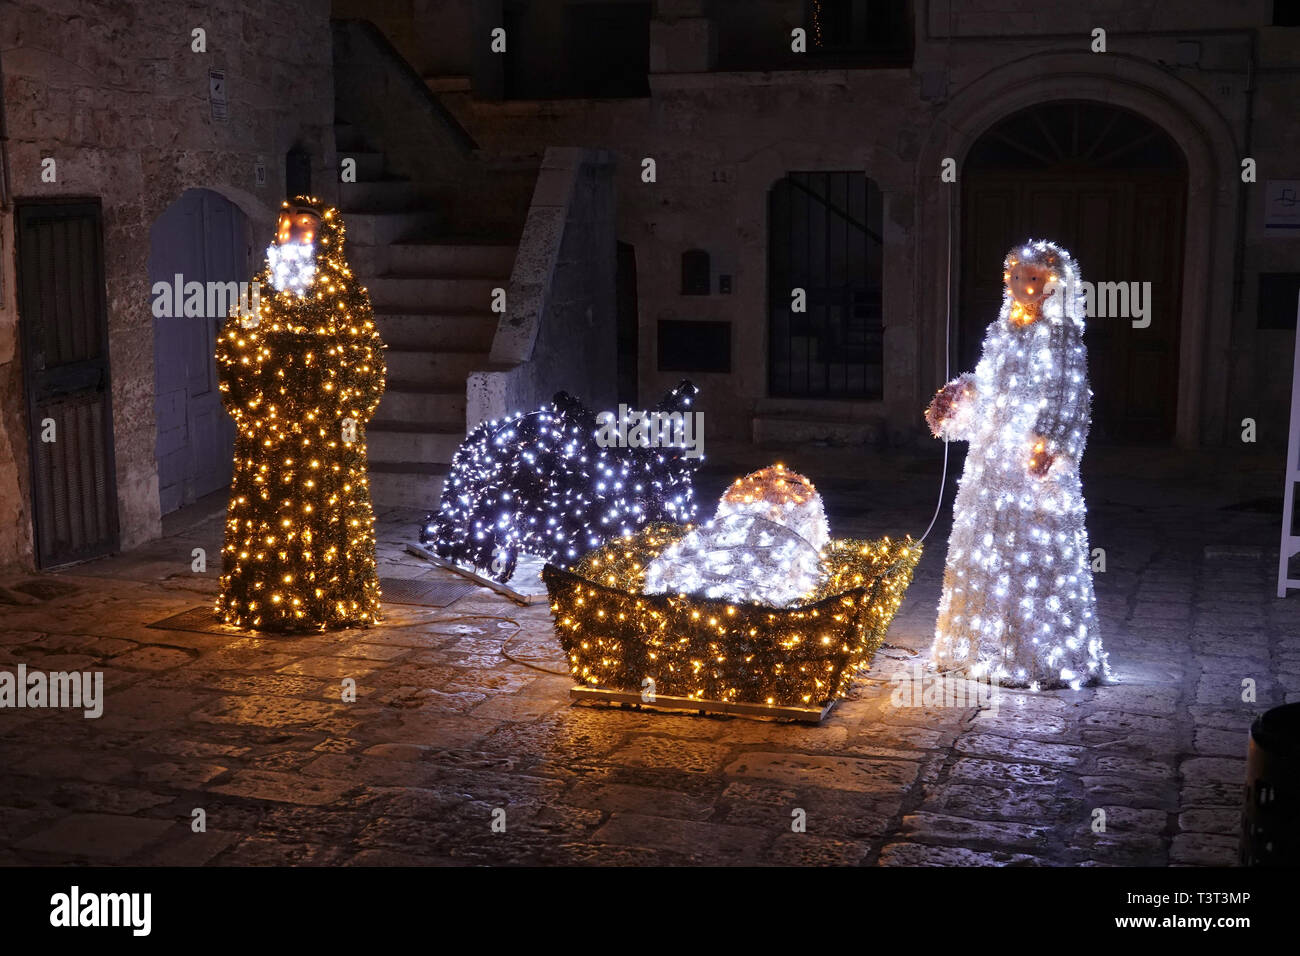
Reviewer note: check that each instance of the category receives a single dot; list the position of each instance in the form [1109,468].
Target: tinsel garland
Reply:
[301,379]
[704,649]
[540,483]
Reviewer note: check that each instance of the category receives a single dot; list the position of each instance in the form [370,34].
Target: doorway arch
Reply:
[1110,186]
[1207,143]
[201,238]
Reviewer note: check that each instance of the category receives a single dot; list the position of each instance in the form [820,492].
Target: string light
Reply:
[763,544]
[616,636]
[300,378]
[1018,602]
[540,483]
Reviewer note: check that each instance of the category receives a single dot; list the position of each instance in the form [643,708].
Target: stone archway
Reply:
[1207,143]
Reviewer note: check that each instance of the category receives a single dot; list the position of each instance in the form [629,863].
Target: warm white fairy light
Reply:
[1018,602]
[540,483]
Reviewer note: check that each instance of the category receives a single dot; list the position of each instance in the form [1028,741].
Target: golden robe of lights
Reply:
[301,375]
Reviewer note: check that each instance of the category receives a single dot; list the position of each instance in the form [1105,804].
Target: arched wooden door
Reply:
[1111,187]
[203,238]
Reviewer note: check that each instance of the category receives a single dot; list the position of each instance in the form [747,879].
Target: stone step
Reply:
[370,163]
[450,83]
[371,228]
[407,402]
[454,331]
[406,485]
[451,258]
[378,195]
[398,293]
[431,443]
[803,428]
[442,371]
[347,137]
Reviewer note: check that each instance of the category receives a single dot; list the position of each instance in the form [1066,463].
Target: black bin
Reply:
[1270,819]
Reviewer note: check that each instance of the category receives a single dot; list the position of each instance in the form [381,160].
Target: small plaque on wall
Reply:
[694,346]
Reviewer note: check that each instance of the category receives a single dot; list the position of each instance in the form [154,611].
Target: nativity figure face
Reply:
[292,257]
[1031,277]
[299,224]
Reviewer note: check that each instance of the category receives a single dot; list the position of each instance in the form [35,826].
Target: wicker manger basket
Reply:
[717,650]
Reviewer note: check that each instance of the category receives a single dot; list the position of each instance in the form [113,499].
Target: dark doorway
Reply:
[1111,187]
[66,375]
[629,326]
[824,238]
[203,238]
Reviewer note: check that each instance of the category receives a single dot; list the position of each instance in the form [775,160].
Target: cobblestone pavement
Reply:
[446,729]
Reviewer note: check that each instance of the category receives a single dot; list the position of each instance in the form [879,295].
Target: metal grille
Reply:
[824,237]
[423,593]
[66,374]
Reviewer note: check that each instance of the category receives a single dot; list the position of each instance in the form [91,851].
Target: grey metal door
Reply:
[64,330]
[203,238]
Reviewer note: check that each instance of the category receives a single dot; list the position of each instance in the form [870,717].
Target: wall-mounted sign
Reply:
[1282,208]
[217,95]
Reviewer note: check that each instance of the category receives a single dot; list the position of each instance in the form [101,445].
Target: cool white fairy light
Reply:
[291,266]
[763,545]
[541,483]
[1018,601]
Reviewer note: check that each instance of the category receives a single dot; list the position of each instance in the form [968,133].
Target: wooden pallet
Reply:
[633,700]
[530,591]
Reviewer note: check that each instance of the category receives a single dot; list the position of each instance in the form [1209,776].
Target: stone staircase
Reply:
[431,297]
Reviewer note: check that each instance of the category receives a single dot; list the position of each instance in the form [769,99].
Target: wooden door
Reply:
[203,238]
[1120,228]
[64,330]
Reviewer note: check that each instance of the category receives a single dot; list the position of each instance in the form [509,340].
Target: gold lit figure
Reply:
[301,376]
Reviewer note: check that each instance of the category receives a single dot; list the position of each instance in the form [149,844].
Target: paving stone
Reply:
[665,752]
[916,854]
[191,849]
[618,798]
[690,838]
[841,773]
[284,787]
[991,745]
[803,849]
[1226,821]
[998,773]
[98,837]
[924,826]
[1037,805]
[153,658]
[1204,849]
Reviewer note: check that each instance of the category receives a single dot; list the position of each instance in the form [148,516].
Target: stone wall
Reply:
[1219,77]
[557,331]
[114,93]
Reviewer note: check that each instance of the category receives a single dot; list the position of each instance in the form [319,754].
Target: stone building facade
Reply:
[120,96]
[736,121]
[730,110]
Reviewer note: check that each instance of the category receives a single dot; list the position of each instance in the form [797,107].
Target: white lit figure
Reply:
[1018,603]
[762,546]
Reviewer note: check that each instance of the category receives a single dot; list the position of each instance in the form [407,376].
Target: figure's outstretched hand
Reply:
[942,406]
[1040,461]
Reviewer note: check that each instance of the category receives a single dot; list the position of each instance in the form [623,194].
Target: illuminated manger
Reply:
[716,651]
